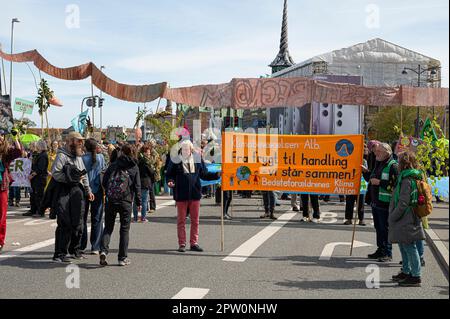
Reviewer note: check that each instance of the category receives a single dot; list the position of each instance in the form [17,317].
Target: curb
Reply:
[438,246]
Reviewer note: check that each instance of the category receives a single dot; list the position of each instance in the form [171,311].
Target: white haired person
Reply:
[7,155]
[382,181]
[38,179]
[184,172]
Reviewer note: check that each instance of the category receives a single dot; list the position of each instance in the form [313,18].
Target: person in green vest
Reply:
[382,180]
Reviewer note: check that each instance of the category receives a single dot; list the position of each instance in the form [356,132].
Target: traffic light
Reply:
[100,102]
[236,121]
[94,101]
[227,121]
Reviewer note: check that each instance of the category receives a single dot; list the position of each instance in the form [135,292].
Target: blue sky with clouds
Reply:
[199,41]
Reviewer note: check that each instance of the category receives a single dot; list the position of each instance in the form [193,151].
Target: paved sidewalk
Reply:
[438,232]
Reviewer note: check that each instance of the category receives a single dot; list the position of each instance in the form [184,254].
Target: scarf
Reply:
[414,174]
[188,164]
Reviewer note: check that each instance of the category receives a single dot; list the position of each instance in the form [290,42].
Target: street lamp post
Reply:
[419,71]
[100,106]
[11,63]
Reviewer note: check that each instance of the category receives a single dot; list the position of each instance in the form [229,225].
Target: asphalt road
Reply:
[284,259]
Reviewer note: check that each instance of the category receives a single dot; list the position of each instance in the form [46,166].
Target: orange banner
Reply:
[319,164]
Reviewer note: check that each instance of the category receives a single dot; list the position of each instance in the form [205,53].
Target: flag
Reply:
[429,130]
[79,123]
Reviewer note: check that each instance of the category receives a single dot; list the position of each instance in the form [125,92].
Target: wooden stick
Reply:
[222,246]
[354,223]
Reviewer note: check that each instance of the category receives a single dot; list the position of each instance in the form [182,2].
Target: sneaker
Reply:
[62,260]
[228,217]
[411,282]
[348,222]
[295,209]
[103,261]
[422,262]
[400,277]
[144,220]
[182,249]
[385,259]
[17,205]
[151,211]
[305,219]
[124,262]
[375,255]
[95,252]
[316,220]
[196,247]
[361,223]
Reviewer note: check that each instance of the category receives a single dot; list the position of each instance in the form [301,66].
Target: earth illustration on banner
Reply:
[243,174]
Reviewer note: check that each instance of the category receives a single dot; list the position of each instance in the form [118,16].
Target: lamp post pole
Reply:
[101,108]
[11,63]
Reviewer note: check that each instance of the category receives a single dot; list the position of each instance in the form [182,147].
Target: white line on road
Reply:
[51,241]
[249,247]
[191,293]
[327,251]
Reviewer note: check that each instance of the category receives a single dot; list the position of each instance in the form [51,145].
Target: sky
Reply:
[196,42]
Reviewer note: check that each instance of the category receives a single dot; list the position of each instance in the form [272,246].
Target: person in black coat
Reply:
[38,179]
[147,175]
[184,172]
[120,201]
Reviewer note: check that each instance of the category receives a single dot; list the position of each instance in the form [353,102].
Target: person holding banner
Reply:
[7,155]
[184,172]
[382,181]
[405,227]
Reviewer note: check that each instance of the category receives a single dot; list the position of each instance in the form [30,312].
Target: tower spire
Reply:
[283,59]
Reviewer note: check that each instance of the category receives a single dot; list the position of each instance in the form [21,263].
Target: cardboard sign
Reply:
[23,106]
[20,170]
[327,164]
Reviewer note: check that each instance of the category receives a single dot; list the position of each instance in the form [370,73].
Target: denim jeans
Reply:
[144,201]
[420,247]
[410,259]
[269,201]
[96,222]
[380,220]
[14,193]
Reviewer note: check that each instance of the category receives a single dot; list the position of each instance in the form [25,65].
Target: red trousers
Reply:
[194,208]
[3,209]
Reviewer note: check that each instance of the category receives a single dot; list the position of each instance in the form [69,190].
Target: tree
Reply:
[391,120]
[43,102]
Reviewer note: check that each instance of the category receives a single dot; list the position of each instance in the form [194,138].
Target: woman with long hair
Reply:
[405,227]
[7,155]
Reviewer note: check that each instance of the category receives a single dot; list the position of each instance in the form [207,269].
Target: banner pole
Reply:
[354,222]
[222,246]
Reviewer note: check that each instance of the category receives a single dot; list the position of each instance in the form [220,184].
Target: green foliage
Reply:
[433,154]
[140,117]
[163,129]
[44,97]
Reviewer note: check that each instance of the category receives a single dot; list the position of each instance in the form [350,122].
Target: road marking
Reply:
[191,293]
[27,249]
[37,222]
[327,251]
[49,242]
[249,247]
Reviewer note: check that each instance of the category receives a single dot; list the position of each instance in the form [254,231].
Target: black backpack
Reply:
[119,186]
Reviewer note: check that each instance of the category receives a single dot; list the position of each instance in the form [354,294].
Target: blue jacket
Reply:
[94,170]
[188,185]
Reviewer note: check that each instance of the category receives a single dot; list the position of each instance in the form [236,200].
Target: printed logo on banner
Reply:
[344,148]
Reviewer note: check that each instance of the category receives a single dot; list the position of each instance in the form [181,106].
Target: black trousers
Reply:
[350,204]
[124,211]
[315,205]
[37,194]
[227,198]
[69,230]
[151,198]
[269,201]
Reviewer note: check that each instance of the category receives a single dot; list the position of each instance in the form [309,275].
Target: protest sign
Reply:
[20,170]
[327,164]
